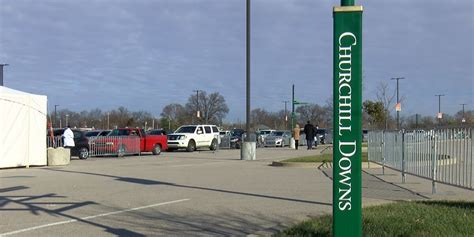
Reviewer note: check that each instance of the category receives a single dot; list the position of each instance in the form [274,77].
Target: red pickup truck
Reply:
[123,141]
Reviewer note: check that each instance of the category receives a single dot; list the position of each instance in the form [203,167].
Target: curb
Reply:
[296,164]
[365,165]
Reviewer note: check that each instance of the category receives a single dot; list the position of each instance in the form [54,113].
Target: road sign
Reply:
[439,115]
[347,123]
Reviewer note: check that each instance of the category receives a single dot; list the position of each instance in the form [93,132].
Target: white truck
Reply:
[191,137]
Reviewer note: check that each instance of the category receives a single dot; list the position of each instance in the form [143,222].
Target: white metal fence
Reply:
[54,141]
[442,155]
[105,146]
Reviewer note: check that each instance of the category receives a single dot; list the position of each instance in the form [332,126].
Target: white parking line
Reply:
[90,217]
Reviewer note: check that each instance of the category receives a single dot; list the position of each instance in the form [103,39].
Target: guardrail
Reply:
[442,155]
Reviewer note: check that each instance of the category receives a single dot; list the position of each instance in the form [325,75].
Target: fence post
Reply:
[383,152]
[403,157]
[433,164]
[472,155]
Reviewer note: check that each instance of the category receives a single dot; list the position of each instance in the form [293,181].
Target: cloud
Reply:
[146,54]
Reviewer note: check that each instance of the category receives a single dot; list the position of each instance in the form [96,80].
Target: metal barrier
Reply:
[115,146]
[442,155]
[54,142]
[225,142]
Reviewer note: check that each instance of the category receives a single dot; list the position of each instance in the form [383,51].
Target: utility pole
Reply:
[293,107]
[1,73]
[55,115]
[439,109]
[416,121]
[198,113]
[108,120]
[67,120]
[286,114]
[398,106]
[463,117]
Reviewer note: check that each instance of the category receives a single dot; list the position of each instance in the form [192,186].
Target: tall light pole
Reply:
[55,115]
[398,106]
[247,122]
[108,120]
[439,108]
[249,145]
[463,117]
[1,73]
[286,114]
[67,120]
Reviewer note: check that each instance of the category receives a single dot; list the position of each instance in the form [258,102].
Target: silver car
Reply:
[278,138]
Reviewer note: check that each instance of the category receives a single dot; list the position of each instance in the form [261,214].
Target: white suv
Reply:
[192,137]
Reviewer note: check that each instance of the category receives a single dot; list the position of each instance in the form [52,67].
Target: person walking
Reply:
[309,131]
[296,135]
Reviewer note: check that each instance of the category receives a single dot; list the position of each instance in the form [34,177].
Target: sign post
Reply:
[347,124]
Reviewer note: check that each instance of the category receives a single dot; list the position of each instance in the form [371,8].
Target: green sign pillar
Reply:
[347,124]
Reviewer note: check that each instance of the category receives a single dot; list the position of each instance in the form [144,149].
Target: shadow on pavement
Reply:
[154,182]
[377,188]
[36,205]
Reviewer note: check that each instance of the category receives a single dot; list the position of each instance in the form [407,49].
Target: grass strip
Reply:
[327,157]
[404,218]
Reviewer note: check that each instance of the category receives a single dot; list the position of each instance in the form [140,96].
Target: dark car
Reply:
[97,133]
[81,142]
[156,132]
[321,136]
[236,138]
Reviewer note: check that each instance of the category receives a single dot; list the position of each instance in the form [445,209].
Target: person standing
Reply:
[68,138]
[296,135]
[309,131]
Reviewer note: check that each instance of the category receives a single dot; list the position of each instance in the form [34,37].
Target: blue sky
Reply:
[145,54]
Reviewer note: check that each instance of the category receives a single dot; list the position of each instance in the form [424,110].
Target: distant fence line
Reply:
[442,155]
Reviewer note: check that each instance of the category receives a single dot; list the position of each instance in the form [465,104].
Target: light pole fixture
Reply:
[398,107]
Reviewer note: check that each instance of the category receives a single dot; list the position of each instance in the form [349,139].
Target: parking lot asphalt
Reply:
[174,194]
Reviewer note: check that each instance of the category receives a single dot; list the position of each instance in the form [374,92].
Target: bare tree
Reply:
[174,112]
[386,98]
[212,106]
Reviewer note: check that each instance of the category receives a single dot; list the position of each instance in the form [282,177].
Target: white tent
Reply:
[22,128]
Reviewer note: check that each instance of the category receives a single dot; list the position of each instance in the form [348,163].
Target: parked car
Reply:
[92,135]
[236,138]
[320,137]
[191,137]
[224,133]
[81,142]
[123,140]
[156,132]
[262,134]
[278,138]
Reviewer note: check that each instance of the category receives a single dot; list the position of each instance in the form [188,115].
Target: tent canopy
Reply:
[22,128]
